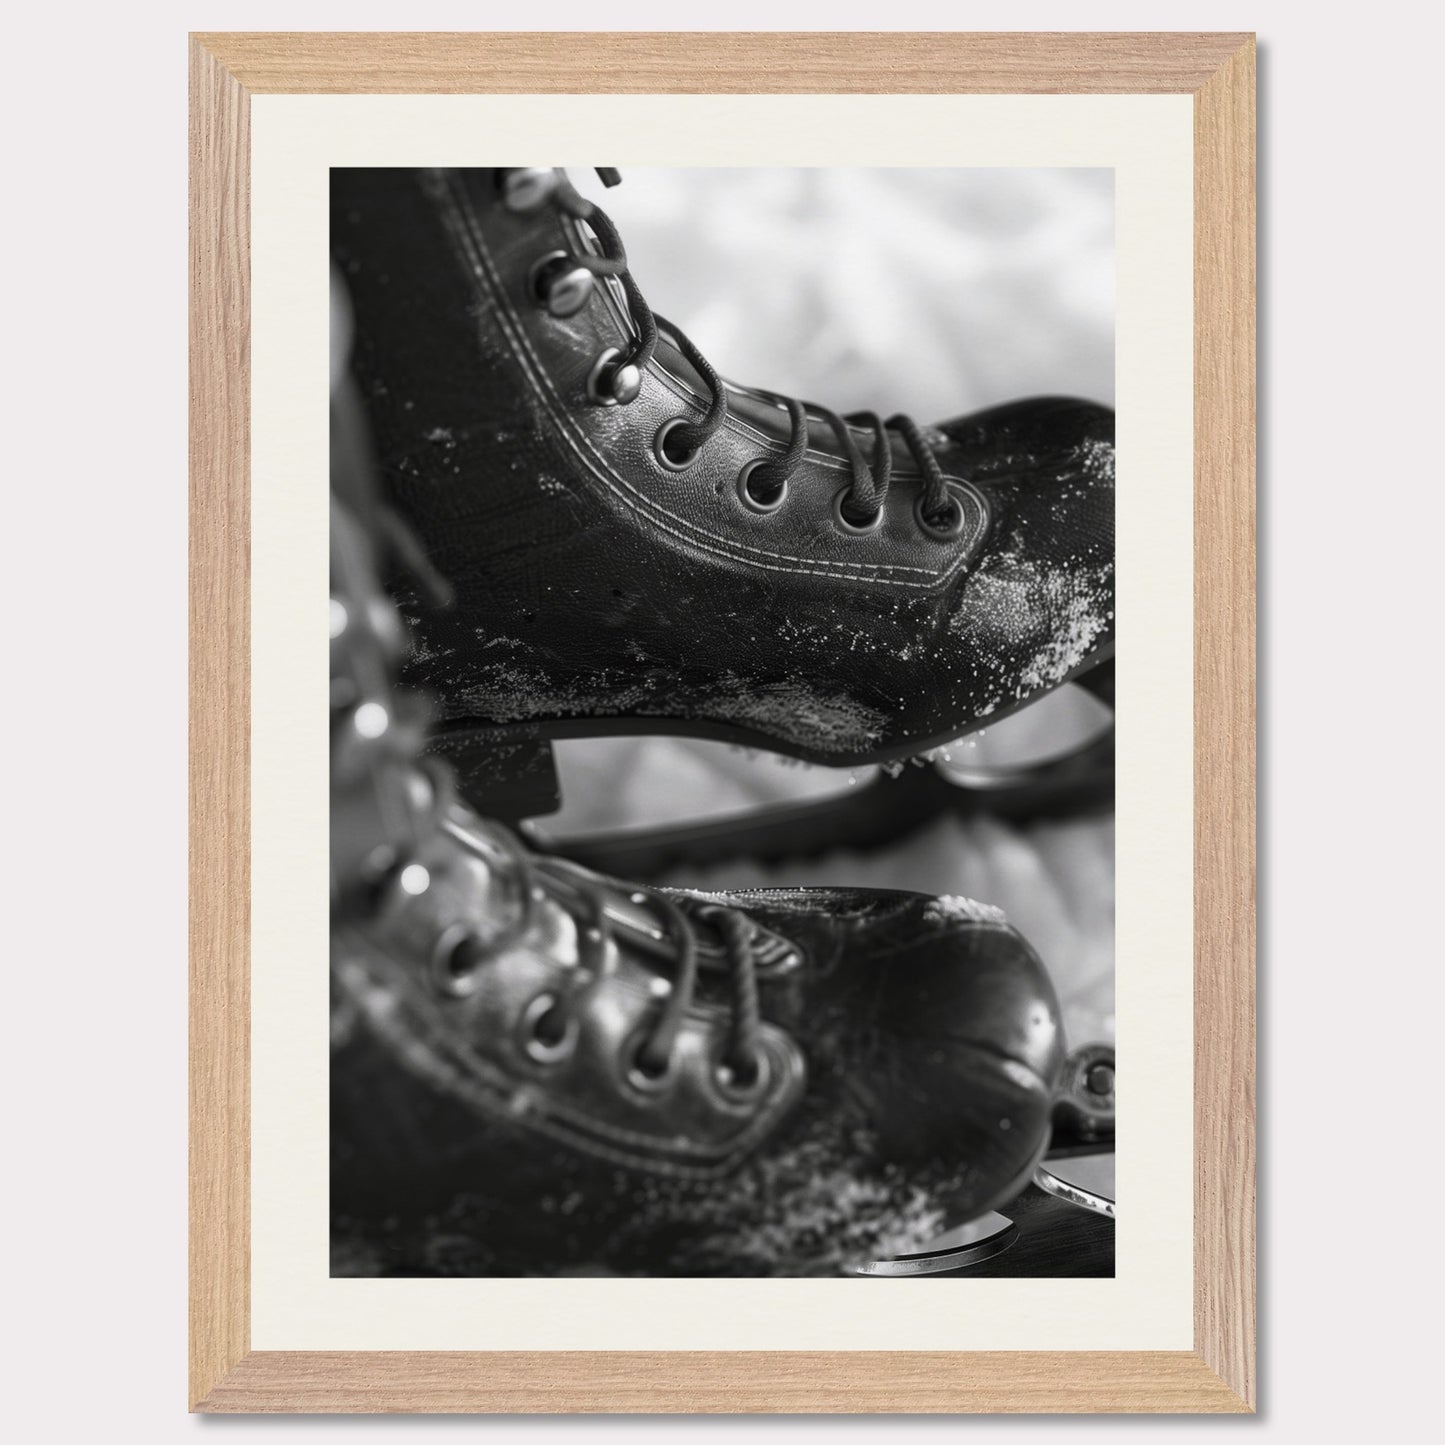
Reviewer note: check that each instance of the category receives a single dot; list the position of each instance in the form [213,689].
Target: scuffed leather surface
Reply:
[592,582]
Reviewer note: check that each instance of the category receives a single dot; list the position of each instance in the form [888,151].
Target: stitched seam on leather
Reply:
[438,1051]
[594,1138]
[825,461]
[618,1143]
[462,228]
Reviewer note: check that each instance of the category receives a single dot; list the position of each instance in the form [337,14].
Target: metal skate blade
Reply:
[1086,1180]
[621,783]
[979,1239]
[636,807]
[1047,734]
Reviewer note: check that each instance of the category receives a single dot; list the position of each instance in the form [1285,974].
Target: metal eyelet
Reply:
[611,385]
[643,1081]
[559,285]
[413,879]
[947,532]
[853,528]
[659,446]
[456,961]
[741,1090]
[541,1050]
[371,720]
[752,503]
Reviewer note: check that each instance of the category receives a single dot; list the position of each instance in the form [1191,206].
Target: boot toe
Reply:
[1037,605]
[975,1051]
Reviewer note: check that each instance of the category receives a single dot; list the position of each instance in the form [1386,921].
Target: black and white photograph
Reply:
[722,618]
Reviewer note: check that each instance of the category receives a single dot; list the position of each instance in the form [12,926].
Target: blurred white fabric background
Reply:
[934,292]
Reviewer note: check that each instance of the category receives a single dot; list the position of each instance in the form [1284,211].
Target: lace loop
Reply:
[654,1057]
[936,496]
[771,475]
[740,1054]
[690,436]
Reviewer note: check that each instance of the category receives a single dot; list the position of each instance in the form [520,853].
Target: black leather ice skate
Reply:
[665,1083]
[537,1069]
[636,545]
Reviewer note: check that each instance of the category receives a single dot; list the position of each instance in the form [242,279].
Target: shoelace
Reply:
[860,507]
[583,895]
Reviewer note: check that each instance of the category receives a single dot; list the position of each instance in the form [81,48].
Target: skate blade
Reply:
[979,1239]
[1085,1180]
[616,785]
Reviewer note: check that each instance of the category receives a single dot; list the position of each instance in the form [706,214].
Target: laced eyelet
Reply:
[659,447]
[456,961]
[559,285]
[946,531]
[740,1089]
[644,1080]
[854,529]
[609,384]
[536,1043]
[752,502]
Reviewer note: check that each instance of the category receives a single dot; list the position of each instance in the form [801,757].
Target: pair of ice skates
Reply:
[554,1070]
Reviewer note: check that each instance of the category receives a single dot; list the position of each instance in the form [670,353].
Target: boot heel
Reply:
[503,777]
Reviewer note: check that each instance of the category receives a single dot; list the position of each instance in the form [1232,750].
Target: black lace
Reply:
[583,895]
[861,505]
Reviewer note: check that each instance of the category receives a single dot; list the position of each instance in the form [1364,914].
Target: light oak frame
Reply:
[1218,1374]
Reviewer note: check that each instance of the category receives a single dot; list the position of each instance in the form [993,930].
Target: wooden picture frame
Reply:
[1218,1374]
